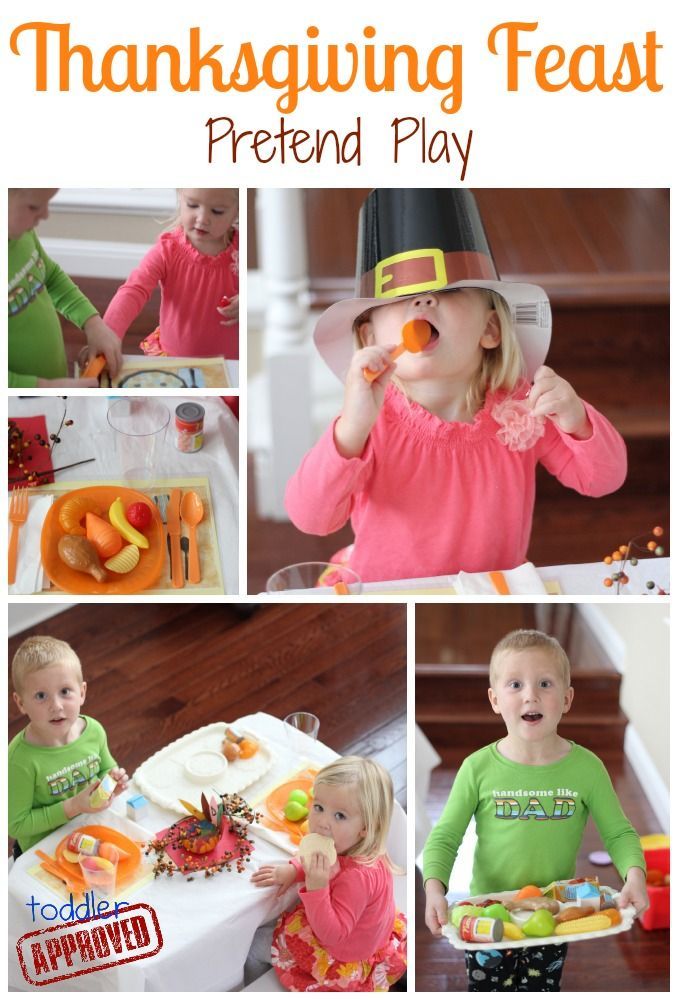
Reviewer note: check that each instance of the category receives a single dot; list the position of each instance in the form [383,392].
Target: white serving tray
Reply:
[628,915]
[164,778]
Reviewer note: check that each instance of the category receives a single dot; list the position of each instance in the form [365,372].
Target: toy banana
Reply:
[116,514]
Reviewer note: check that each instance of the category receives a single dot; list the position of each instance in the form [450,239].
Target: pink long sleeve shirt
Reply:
[429,498]
[353,916]
[192,285]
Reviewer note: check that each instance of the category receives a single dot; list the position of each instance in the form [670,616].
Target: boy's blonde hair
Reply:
[374,792]
[527,638]
[41,651]
[500,367]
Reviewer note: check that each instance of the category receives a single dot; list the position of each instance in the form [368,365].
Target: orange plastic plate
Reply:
[126,866]
[72,581]
[277,800]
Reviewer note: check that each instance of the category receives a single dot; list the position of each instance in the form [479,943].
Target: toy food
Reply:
[139,515]
[104,790]
[230,750]
[542,923]
[125,561]
[116,514]
[481,929]
[224,301]
[103,536]
[73,511]
[298,795]
[512,932]
[246,746]
[598,922]
[82,843]
[294,811]
[574,913]
[497,911]
[315,843]
[81,556]
[527,891]
[465,910]
[96,863]
[71,856]
[532,903]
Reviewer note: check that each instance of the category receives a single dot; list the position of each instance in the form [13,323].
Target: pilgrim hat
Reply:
[414,240]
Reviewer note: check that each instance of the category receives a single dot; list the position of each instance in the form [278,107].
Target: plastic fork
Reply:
[18,512]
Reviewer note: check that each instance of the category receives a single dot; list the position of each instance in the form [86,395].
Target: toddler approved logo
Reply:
[83,946]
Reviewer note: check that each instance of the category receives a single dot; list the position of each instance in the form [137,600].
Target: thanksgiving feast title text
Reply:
[64,62]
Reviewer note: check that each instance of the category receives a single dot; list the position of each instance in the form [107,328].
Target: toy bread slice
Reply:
[315,843]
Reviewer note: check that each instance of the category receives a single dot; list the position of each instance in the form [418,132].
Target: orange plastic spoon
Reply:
[415,335]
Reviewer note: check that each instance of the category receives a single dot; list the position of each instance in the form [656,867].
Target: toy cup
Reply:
[300,727]
[310,575]
[139,427]
[100,874]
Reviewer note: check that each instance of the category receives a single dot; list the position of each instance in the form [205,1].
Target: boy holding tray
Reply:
[531,794]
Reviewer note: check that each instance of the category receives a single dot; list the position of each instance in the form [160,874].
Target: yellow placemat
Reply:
[551,587]
[59,888]
[212,581]
[213,370]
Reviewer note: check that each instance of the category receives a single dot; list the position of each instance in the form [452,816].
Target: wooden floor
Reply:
[637,961]
[156,672]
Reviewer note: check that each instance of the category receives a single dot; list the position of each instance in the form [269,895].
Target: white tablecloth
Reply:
[91,437]
[207,925]
[572,579]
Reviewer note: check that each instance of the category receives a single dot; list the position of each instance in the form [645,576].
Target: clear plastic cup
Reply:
[301,727]
[139,427]
[311,575]
[100,875]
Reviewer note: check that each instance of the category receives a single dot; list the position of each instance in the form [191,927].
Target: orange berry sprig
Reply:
[622,555]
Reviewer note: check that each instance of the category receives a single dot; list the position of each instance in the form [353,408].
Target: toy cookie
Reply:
[314,843]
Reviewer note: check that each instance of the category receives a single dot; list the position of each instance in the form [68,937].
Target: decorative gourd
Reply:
[81,555]
[103,536]
[73,511]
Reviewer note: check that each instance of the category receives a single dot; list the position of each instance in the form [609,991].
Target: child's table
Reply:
[207,925]
[90,436]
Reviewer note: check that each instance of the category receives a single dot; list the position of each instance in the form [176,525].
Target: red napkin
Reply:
[227,845]
[35,457]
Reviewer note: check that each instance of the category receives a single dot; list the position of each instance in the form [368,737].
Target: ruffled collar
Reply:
[186,248]
[420,423]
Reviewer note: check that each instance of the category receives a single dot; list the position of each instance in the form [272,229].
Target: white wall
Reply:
[23,616]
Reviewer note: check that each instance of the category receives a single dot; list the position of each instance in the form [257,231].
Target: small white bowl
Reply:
[205,765]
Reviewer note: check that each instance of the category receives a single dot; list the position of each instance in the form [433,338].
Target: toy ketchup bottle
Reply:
[83,843]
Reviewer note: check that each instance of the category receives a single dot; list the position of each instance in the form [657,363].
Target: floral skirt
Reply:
[151,344]
[304,966]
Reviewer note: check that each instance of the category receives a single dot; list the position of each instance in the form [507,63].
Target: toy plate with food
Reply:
[565,911]
[218,757]
[90,544]
[284,809]
[103,843]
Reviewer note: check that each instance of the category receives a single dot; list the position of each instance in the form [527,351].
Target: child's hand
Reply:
[436,907]
[551,396]
[121,776]
[102,340]
[318,871]
[229,312]
[634,892]
[67,383]
[80,803]
[281,875]
[362,399]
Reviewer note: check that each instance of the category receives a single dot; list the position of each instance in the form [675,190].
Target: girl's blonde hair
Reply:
[500,367]
[41,651]
[374,793]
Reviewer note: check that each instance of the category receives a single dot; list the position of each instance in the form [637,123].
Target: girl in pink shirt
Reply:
[434,459]
[345,934]
[196,267]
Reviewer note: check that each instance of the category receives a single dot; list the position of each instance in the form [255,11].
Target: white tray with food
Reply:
[560,913]
[217,757]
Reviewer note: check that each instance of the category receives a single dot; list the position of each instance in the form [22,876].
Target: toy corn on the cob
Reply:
[598,922]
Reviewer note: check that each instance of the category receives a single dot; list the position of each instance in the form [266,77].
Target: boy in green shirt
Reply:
[38,291]
[531,794]
[57,761]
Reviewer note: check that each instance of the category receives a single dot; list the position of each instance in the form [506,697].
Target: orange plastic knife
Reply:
[174,531]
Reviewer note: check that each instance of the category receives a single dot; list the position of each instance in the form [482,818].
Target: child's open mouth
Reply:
[56,722]
[435,336]
[532,717]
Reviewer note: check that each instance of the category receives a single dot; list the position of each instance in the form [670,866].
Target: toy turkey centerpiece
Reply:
[208,839]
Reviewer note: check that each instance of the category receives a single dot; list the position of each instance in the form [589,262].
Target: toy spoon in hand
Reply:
[415,335]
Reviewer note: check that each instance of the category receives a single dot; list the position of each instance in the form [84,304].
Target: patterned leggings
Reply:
[520,970]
